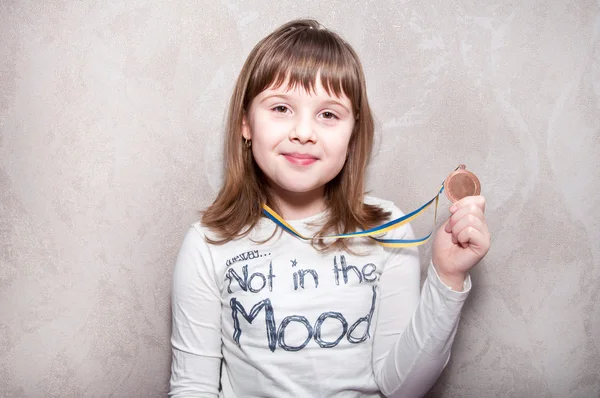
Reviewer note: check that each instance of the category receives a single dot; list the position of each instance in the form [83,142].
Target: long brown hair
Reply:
[296,53]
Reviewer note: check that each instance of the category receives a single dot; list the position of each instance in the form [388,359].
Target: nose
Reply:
[304,129]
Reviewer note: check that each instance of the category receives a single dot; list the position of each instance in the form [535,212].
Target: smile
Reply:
[300,159]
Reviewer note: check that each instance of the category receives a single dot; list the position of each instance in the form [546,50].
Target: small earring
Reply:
[247,143]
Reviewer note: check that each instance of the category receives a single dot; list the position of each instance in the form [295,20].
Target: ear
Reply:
[246,133]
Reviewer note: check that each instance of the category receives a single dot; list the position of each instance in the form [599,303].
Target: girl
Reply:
[258,311]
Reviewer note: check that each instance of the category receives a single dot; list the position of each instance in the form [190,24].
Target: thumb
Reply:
[447,226]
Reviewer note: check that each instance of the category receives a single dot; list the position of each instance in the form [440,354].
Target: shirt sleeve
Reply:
[196,327]
[414,331]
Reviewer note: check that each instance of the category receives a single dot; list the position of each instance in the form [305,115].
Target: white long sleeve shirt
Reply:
[280,319]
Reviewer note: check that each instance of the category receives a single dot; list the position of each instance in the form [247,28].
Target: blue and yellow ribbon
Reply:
[277,219]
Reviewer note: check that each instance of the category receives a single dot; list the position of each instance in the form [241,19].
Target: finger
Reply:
[469,221]
[466,211]
[470,210]
[473,238]
[478,201]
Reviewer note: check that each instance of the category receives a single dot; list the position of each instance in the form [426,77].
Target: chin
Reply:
[300,187]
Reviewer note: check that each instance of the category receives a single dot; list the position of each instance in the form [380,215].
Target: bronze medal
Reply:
[461,183]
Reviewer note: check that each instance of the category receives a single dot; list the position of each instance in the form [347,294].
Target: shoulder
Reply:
[197,251]
[200,230]
[198,237]
[385,205]
[402,232]
[194,238]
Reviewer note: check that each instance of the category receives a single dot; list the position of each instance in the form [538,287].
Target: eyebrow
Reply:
[286,97]
[282,96]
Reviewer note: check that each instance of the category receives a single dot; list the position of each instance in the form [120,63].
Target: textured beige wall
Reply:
[111,120]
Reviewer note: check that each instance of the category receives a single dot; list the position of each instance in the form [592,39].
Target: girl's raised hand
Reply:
[461,241]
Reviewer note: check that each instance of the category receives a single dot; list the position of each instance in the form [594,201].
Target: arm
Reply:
[414,332]
[196,328]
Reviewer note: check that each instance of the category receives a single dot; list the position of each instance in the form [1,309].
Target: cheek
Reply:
[337,151]
[266,134]
[338,143]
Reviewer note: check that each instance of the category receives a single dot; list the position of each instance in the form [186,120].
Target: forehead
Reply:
[317,90]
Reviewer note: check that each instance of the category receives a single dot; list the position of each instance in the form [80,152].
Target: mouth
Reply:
[301,159]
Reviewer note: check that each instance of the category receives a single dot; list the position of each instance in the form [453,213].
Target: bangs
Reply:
[301,56]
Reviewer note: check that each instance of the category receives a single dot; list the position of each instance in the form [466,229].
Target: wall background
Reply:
[111,116]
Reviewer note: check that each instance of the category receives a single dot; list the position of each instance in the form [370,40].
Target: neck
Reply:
[299,205]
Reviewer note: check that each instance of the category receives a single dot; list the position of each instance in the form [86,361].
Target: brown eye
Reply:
[329,115]
[280,109]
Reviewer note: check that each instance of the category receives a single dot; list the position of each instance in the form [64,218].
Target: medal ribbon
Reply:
[277,219]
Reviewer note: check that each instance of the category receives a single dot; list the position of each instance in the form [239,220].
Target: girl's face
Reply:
[299,138]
